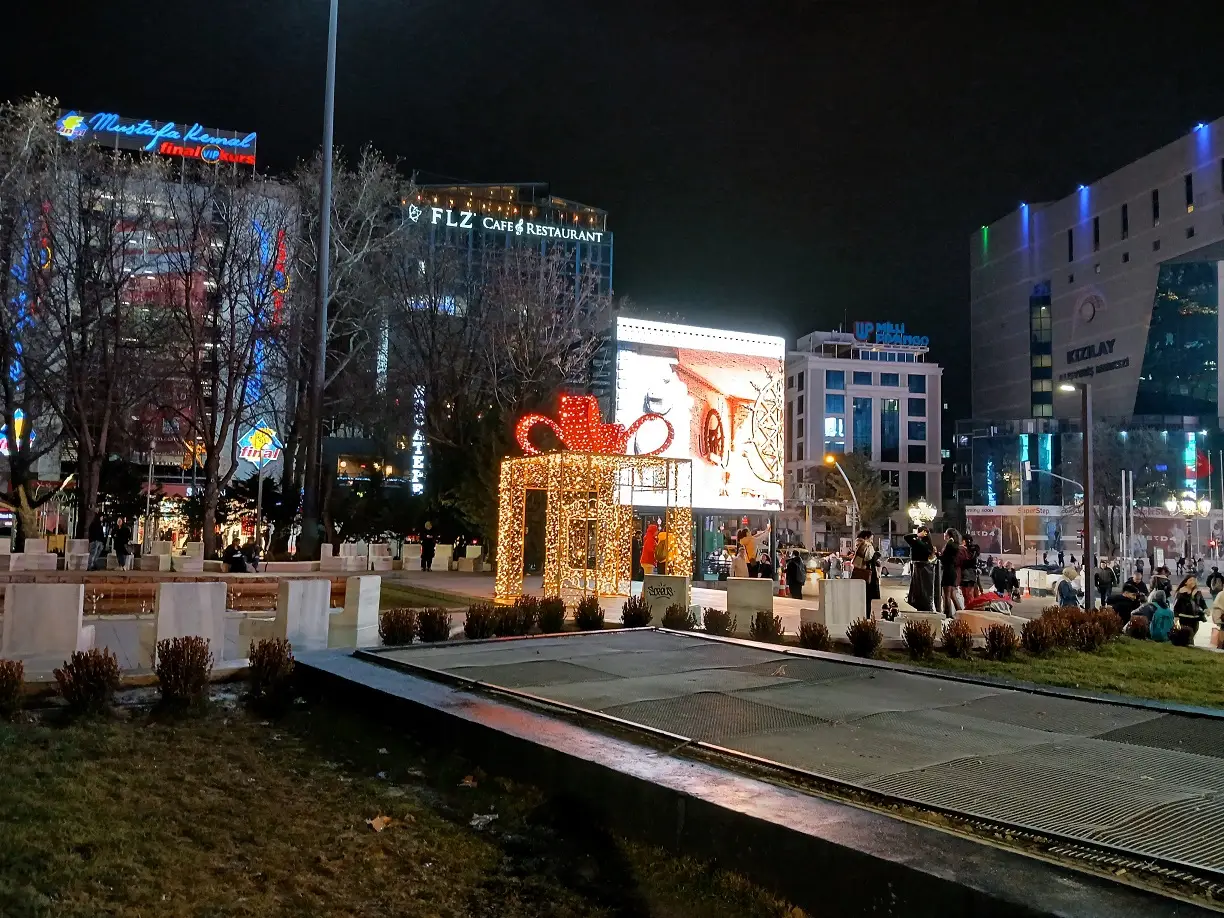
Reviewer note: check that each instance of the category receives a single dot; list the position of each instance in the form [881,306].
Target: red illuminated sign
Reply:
[582,428]
[209,153]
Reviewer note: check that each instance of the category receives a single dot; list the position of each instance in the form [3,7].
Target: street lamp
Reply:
[1085,391]
[831,459]
[1192,509]
[921,513]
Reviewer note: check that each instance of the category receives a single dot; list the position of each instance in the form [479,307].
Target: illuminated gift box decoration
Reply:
[590,490]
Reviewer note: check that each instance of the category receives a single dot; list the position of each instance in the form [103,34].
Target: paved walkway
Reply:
[1136,779]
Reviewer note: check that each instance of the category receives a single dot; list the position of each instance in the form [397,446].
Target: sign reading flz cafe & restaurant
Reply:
[465,219]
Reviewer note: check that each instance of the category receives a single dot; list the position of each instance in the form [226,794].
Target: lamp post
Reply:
[831,459]
[921,513]
[1192,509]
[314,443]
[1085,390]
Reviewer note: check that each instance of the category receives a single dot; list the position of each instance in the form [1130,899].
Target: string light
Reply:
[582,428]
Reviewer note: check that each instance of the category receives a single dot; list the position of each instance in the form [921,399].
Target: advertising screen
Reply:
[722,392]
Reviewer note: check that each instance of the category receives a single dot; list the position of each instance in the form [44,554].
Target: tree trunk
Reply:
[212,495]
[89,480]
[26,515]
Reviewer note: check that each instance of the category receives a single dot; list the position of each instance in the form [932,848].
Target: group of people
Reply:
[120,538]
[655,549]
[957,563]
[1163,606]
[241,558]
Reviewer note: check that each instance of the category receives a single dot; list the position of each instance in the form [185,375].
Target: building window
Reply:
[890,477]
[835,404]
[915,486]
[917,383]
[799,429]
[890,430]
[1155,245]
[835,435]
[862,426]
[917,407]
[799,409]
[1096,234]
[800,385]
[1125,257]
[1189,183]
[835,379]
[1155,207]
[1070,245]
[1189,232]
[916,453]
[790,421]
[890,379]
[917,431]
[1125,221]
[798,450]
[1042,360]
[790,380]
[1043,385]
[861,378]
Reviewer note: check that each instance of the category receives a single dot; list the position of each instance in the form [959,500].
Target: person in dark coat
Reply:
[97,543]
[122,538]
[1126,602]
[949,572]
[429,546]
[235,560]
[796,575]
[922,586]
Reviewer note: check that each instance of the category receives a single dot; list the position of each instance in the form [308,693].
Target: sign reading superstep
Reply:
[168,138]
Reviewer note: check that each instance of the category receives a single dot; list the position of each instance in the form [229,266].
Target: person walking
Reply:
[1181,565]
[1215,581]
[921,593]
[1045,558]
[949,572]
[796,575]
[97,542]
[1104,579]
[1188,605]
[429,547]
[1162,582]
[122,540]
[1061,558]
[864,567]
[1068,595]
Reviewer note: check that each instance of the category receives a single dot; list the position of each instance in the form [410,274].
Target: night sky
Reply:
[783,168]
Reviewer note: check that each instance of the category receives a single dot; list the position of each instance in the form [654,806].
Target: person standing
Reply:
[663,550]
[1067,593]
[1215,581]
[1045,558]
[1062,558]
[949,572]
[97,542]
[122,538]
[649,542]
[1105,583]
[921,593]
[429,546]
[739,566]
[796,575]
[968,563]
[864,564]
[1162,582]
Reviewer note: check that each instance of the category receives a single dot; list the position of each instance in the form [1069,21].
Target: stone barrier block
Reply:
[663,590]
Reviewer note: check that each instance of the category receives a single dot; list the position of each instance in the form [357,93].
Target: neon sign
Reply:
[465,219]
[416,474]
[168,138]
[582,428]
[888,333]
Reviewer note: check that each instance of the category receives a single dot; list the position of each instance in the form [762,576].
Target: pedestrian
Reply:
[967,561]
[250,551]
[1160,617]
[1068,595]
[865,563]
[1000,578]
[1104,580]
[949,573]
[635,553]
[1045,558]
[1136,582]
[1061,558]
[1161,581]
[1139,567]
[921,593]
[97,543]
[739,566]
[1215,580]
[649,543]
[234,559]
[1126,602]
[765,567]
[664,547]
[1181,565]
[796,575]
[122,540]
[429,546]
[1188,605]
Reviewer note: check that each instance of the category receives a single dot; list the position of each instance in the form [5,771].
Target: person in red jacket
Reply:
[649,541]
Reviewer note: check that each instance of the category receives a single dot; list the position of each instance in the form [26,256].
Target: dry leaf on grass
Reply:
[469,781]
[378,823]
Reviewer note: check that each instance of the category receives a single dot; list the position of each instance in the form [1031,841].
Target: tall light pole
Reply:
[1085,390]
[831,459]
[311,514]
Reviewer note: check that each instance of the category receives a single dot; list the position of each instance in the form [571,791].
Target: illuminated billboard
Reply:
[723,393]
[169,138]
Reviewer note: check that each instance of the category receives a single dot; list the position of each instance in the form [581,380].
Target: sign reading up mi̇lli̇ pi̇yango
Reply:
[168,138]
[888,333]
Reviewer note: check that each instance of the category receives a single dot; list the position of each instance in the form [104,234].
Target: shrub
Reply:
[766,627]
[433,624]
[12,679]
[919,637]
[1001,641]
[1089,634]
[1037,636]
[89,680]
[1138,628]
[552,615]
[679,617]
[958,639]
[183,667]
[635,613]
[517,619]
[1181,636]
[717,621]
[397,626]
[587,614]
[479,622]
[270,673]
[814,636]
[1110,621]
[864,636]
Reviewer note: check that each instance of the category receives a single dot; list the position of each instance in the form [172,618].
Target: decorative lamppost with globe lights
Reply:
[1193,509]
[921,513]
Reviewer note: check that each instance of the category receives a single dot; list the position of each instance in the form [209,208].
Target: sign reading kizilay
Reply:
[168,138]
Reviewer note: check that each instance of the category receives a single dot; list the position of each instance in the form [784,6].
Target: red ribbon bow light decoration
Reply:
[582,428]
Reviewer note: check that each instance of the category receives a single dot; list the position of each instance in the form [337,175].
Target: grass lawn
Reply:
[226,815]
[1144,669]
[394,595]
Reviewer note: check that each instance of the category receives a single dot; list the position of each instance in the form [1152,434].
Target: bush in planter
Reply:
[1111,622]
[1139,628]
[481,617]
[183,667]
[552,615]
[588,616]
[679,617]
[88,680]
[864,636]
[433,624]
[1037,636]
[635,613]
[270,674]
[12,686]
[957,639]
[517,619]
[919,637]
[716,621]
[1181,636]
[814,636]
[1001,641]
[1089,634]
[766,627]
[397,626]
